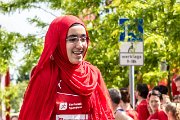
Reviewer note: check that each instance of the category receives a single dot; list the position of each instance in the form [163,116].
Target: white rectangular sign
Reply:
[131,59]
[131,53]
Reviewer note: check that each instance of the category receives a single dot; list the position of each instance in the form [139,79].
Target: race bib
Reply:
[69,107]
[72,117]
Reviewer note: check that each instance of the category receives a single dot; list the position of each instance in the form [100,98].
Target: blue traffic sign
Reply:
[134,31]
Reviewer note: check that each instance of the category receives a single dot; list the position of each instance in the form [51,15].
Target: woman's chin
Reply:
[76,61]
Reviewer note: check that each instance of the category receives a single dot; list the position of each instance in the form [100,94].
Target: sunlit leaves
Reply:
[8,42]
[13,95]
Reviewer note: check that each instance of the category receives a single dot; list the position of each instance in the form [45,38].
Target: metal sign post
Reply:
[131,83]
[131,51]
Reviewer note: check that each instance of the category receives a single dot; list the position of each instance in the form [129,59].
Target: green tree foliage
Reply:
[12,96]
[32,49]
[8,43]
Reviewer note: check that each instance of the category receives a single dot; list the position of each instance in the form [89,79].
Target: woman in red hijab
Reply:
[63,85]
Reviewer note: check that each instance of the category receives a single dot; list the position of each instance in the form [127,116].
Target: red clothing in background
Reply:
[160,115]
[133,114]
[142,110]
[173,86]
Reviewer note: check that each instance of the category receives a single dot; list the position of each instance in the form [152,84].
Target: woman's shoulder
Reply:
[162,113]
[121,115]
[133,114]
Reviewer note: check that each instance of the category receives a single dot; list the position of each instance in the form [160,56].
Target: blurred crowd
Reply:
[151,104]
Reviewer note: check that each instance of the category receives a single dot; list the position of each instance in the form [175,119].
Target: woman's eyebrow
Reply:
[75,35]
[72,35]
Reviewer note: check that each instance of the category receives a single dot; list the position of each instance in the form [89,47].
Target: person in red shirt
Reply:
[125,104]
[141,95]
[155,98]
[173,85]
[63,85]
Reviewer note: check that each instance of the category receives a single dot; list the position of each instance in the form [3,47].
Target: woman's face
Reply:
[154,103]
[76,44]
[136,94]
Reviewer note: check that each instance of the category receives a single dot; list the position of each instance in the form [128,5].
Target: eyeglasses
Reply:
[75,38]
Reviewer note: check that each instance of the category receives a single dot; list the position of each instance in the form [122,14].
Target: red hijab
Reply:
[83,78]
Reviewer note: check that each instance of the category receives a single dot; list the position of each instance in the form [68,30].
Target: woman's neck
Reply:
[139,100]
[115,106]
[126,106]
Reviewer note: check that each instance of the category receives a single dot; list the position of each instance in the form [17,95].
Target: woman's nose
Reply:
[79,43]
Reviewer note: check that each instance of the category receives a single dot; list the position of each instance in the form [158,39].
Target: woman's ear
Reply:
[139,93]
